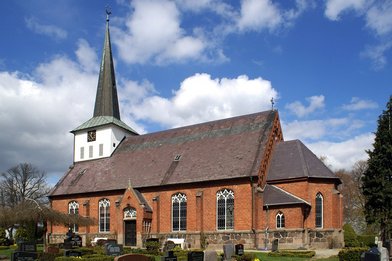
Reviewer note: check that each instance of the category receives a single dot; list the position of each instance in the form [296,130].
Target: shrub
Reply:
[292,253]
[350,237]
[21,235]
[152,247]
[3,239]
[351,254]
[86,258]
[48,256]
[366,240]
[244,257]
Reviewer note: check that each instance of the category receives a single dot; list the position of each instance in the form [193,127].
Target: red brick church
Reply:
[231,180]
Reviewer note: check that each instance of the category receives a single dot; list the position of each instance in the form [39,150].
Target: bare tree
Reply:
[353,199]
[22,182]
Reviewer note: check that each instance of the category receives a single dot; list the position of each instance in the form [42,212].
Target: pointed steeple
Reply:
[106,101]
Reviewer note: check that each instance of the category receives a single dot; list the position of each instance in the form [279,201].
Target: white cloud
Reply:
[87,56]
[48,30]
[315,103]
[314,129]
[343,155]
[153,33]
[38,110]
[259,14]
[201,99]
[335,7]
[379,17]
[357,104]
[377,54]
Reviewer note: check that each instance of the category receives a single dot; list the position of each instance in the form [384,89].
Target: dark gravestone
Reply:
[27,247]
[67,244]
[275,245]
[24,256]
[132,257]
[169,256]
[228,251]
[169,246]
[113,249]
[372,255]
[196,256]
[52,249]
[76,241]
[72,252]
[239,249]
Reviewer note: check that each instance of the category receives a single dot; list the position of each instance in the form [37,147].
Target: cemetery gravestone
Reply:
[113,249]
[27,247]
[24,256]
[275,244]
[67,244]
[196,256]
[72,252]
[169,257]
[239,249]
[228,251]
[210,255]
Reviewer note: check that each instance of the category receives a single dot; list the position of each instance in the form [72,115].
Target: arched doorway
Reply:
[130,226]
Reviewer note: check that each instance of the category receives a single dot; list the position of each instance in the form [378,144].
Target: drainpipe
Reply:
[253,213]
[266,229]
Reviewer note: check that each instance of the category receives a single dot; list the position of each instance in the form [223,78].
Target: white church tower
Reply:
[99,136]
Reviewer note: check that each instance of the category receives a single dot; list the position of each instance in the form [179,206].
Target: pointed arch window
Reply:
[319,210]
[179,209]
[130,213]
[225,209]
[73,208]
[280,220]
[104,215]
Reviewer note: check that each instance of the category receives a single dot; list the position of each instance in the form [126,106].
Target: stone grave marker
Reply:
[239,249]
[169,257]
[196,256]
[210,255]
[27,247]
[72,252]
[67,244]
[132,257]
[113,249]
[228,251]
[169,246]
[24,256]
[275,245]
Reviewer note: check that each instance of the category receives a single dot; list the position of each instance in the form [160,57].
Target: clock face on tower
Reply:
[91,135]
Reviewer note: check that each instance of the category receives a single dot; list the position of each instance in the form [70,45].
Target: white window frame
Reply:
[225,194]
[319,196]
[278,219]
[73,208]
[179,198]
[105,204]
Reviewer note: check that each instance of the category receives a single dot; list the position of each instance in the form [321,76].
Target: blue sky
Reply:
[327,64]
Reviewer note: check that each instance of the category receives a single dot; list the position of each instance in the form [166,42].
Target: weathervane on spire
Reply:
[272,103]
[108,12]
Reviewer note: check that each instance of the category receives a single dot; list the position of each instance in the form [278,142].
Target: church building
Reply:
[233,180]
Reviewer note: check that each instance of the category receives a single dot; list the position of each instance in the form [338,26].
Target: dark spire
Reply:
[106,101]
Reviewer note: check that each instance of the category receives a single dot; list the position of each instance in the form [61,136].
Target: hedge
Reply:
[351,254]
[292,253]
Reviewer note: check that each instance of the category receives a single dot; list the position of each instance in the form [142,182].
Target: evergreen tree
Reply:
[377,179]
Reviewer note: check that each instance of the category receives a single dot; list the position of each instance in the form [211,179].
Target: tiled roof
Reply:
[217,150]
[101,121]
[274,196]
[292,159]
